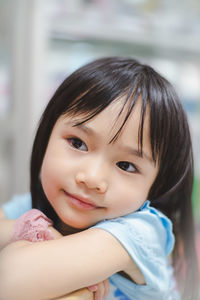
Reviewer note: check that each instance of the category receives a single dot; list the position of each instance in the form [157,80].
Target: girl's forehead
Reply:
[113,118]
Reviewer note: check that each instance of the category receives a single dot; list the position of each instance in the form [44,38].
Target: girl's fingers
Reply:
[100,290]
[93,288]
[99,294]
[107,287]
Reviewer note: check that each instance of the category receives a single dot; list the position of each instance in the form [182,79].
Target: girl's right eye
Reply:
[77,143]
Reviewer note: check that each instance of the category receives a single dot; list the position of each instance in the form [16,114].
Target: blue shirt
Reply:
[148,238]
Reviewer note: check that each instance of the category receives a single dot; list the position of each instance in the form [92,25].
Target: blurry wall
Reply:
[42,41]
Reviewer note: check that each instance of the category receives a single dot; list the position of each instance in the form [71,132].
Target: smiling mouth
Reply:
[80,202]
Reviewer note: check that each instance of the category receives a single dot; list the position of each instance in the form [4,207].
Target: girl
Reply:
[112,166]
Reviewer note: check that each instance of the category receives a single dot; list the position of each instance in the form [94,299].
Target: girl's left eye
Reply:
[127,166]
[78,144]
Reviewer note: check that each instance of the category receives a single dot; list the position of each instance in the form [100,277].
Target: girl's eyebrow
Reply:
[136,152]
[82,127]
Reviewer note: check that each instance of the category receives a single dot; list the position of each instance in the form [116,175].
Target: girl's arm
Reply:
[6,229]
[6,233]
[53,268]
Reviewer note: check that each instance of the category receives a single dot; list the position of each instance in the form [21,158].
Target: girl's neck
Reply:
[65,229]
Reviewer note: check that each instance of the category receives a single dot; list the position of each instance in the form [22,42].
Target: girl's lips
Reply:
[80,202]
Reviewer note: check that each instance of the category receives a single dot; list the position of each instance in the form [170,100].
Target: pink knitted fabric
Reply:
[32,226]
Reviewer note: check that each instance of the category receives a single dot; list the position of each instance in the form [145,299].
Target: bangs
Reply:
[79,107]
[97,98]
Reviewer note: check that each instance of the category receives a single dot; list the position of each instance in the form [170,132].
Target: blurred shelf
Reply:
[6,129]
[183,43]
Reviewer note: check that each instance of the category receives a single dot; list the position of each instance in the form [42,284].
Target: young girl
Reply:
[112,167]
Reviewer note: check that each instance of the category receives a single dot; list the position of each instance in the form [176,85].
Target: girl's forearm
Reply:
[47,270]
[6,231]
[28,273]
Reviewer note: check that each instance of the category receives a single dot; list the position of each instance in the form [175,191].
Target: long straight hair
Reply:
[88,91]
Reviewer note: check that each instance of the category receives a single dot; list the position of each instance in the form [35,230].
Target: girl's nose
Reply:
[92,181]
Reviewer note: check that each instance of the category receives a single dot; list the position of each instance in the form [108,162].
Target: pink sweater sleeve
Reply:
[33,226]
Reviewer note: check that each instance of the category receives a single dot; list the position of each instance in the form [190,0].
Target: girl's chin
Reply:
[66,229]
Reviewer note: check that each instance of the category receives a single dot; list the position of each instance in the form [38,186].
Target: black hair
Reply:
[88,91]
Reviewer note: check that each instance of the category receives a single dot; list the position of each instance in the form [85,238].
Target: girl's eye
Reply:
[78,144]
[127,166]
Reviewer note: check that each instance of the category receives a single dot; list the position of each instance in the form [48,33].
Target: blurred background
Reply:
[43,41]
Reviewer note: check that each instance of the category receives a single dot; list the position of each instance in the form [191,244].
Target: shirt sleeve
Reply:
[17,206]
[147,237]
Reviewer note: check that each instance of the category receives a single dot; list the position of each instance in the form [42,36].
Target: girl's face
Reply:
[87,179]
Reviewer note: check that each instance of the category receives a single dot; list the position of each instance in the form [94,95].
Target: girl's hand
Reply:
[56,234]
[100,290]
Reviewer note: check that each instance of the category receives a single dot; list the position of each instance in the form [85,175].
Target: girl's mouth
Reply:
[80,202]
